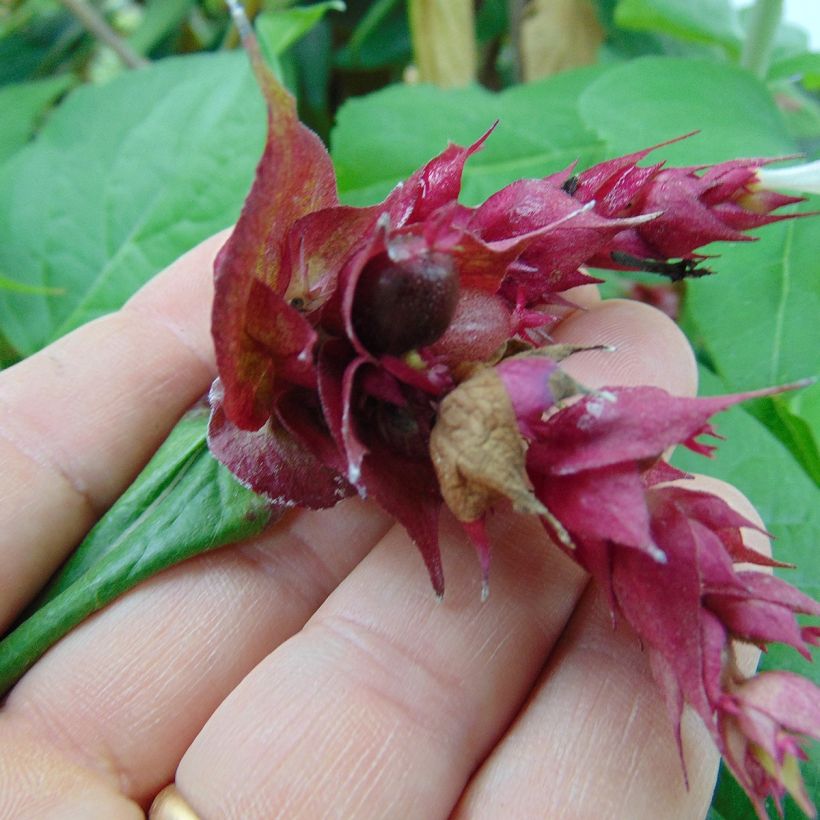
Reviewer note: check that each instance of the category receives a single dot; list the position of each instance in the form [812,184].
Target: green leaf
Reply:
[380,40]
[795,420]
[182,504]
[652,99]
[757,321]
[21,107]
[382,138]
[710,22]
[160,19]
[123,179]
[755,462]
[278,30]
[806,66]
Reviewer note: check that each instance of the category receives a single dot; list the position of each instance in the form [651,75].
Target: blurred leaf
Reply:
[36,42]
[280,29]
[755,462]
[653,99]
[805,66]
[22,105]
[491,20]
[382,138]
[122,180]
[699,21]
[376,13]
[183,503]
[381,40]
[160,19]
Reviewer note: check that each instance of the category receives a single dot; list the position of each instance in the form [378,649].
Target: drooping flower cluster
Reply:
[396,352]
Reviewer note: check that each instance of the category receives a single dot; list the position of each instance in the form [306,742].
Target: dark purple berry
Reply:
[400,306]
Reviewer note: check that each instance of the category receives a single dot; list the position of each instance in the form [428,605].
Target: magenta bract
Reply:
[395,352]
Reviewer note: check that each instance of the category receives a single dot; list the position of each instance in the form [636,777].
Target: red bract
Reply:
[389,351]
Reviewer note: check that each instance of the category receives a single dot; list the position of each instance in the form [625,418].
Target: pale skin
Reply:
[311,672]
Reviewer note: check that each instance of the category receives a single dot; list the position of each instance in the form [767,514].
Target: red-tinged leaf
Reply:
[758,621]
[661,472]
[789,699]
[713,644]
[294,177]
[770,588]
[664,676]
[316,247]
[282,337]
[550,233]
[272,462]
[713,561]
[433,186]
[407,489]
[607,504]
[600,180]
[623,424]
[662,601]
[300,413]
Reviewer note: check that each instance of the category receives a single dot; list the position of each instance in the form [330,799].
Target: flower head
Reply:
[396,351]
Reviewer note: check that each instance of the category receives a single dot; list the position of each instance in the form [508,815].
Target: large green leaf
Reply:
[382,138]
[121,181]
[653,99]
[754,461]
[757,321]
[182,504]
[279,29]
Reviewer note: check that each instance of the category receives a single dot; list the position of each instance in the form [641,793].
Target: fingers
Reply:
[192,633]
[649,348]
[129,689]
[387,699]
[595,739]
[79,419]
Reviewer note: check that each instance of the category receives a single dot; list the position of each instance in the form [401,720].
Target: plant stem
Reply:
[515,14]
[444,47]
[94,23]
[757,49]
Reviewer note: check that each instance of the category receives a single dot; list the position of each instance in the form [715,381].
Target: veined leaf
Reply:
[122,180]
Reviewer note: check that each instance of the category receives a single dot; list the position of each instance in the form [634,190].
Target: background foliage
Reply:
[119,151]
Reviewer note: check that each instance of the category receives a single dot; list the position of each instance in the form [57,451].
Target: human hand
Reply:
[311,671]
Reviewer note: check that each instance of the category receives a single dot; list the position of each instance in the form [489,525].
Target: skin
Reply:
[310,671]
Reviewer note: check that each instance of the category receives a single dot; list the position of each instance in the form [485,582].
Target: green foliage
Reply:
[279,29]
[710,22]
[652,99]
[22,106]
[183,503]
[96,211]
[382,138]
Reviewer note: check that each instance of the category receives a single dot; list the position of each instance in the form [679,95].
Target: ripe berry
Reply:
[400,306]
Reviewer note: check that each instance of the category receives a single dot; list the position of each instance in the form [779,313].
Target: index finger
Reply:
[79,419]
